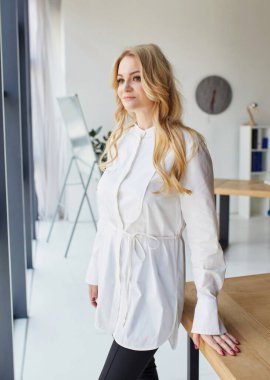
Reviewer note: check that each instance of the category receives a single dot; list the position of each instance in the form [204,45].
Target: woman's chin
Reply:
[130,109]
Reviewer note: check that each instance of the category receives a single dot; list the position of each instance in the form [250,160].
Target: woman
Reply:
[158,181]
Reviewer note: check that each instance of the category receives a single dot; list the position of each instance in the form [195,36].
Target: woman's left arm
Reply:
[207,259]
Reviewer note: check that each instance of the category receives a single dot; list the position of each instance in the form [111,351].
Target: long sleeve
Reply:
[207,260]
[92,270]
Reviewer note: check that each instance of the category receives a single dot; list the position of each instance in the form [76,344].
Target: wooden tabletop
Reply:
[252,188]
[244,307]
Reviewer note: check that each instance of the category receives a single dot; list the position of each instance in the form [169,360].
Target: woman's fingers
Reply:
[212,343]
[230,342]
[93,302]
[93,293]
[232,338]
[224,344]
[196,340]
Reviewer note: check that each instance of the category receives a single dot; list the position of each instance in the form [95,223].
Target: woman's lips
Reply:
[129,98]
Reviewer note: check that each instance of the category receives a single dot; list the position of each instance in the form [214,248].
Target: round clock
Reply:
[213,94]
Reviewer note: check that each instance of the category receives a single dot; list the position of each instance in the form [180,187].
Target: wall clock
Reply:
[213,94]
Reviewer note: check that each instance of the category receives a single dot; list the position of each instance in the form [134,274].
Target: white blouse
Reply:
[138,256]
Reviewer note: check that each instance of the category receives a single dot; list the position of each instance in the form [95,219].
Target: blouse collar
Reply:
[148,132]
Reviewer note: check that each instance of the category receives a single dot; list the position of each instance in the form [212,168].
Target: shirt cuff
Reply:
[206,320]
[91,277]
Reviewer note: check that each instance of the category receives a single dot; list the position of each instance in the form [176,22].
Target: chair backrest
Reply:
[77,131]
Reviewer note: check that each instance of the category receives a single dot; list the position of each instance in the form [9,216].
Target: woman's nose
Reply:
[127,85]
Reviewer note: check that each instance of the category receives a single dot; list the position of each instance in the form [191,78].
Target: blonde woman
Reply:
[158,180]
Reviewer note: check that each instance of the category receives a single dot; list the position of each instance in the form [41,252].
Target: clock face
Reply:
[213,94]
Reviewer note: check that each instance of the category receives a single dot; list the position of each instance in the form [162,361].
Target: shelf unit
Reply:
[254,163]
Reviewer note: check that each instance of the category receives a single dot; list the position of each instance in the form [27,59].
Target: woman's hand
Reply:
[93,294]
[221,343]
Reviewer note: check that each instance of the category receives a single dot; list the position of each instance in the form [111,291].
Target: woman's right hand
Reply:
[93,294]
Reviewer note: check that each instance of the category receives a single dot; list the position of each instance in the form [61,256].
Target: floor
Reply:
[61,342]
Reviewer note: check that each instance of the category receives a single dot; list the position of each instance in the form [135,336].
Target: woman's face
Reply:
[130,89]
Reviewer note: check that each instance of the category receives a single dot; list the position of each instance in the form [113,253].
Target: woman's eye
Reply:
[136,78]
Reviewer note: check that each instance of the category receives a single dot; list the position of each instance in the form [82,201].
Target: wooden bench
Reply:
[244,307]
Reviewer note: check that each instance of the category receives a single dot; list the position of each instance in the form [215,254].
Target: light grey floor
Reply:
[62,343]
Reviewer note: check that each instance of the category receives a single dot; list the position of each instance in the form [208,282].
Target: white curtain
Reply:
[50,143]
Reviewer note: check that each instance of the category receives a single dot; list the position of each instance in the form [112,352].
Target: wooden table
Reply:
[226,187]
[244,307]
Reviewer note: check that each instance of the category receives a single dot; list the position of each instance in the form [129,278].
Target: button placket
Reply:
[132,238]
[124,176]
[119,269]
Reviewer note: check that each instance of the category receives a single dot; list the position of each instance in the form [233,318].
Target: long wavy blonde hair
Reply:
[158,82]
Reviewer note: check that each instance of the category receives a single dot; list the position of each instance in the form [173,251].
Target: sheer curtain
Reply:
[51,146]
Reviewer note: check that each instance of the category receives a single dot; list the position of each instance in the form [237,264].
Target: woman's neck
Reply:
[144,119]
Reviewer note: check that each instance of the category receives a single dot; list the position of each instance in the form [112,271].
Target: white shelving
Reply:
[254,163]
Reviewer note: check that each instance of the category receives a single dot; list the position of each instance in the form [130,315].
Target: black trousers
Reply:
[125,364]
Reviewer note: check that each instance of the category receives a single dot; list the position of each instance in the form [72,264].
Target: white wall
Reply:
[220,37]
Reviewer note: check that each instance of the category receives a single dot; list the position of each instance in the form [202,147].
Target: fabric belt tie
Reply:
[133,241]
